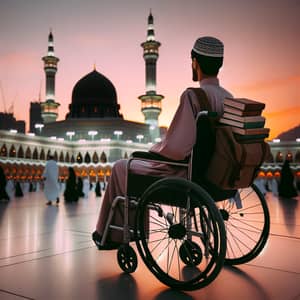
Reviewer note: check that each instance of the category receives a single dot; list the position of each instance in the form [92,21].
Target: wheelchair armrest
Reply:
[156,157]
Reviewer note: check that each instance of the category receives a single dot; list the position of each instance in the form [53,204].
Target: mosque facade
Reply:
[94,133]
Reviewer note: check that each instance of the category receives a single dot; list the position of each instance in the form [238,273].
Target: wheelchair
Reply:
[185,232]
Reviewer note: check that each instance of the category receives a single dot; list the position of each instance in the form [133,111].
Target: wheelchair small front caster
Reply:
[127,258]
[190,253]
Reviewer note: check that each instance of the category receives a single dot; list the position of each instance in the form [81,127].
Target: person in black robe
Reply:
[71,191]
[18,192]
[3,194]
[286,187]
[80,187]
[98,189]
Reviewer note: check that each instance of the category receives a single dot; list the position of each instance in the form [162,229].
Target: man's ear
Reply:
[195,63]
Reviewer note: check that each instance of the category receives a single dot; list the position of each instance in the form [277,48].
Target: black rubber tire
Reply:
[190,253]
[247,228]
[162,205]
[127,258]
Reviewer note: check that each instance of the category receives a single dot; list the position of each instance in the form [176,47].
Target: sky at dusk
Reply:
[261,37]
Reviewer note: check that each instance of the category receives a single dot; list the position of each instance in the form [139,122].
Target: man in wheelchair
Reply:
[207,59]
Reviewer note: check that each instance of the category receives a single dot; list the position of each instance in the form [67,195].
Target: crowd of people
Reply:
[70,190]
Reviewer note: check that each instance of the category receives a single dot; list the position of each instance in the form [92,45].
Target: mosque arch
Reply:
[270,158]
[20,152]
[61,157]
[42,155]
[289,156]
[95,158]
[103,157]
[87,158]
[79,158]
[72,159]
[125,155]
[28,153]
[3,151]
[35,154]
[67,157]
[297,157]
[279,157]
[12,151]
[48,154]
[55,156]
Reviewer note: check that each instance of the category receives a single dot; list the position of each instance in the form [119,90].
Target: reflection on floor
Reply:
[46,252]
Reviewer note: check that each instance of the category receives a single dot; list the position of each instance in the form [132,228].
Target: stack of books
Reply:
[244,115]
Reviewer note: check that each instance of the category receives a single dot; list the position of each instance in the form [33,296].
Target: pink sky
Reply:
[261,51]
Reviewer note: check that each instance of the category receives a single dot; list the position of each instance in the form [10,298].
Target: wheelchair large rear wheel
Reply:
[247,225]
[180,234]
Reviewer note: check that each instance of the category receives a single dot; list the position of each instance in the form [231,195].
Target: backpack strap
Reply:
[202,98]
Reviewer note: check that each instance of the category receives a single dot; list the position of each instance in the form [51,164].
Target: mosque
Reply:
[94,133]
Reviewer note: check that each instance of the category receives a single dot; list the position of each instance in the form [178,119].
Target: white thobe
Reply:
[50,174]
[86,187]
[177,145]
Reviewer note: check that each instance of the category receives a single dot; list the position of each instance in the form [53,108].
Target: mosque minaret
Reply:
[49,106]
[151,101]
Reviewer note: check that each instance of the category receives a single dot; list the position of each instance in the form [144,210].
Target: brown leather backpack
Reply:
[219,158]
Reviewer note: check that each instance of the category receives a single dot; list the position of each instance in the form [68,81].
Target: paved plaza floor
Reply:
[46,252]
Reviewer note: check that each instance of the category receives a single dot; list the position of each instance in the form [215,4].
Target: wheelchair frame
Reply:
[127,257]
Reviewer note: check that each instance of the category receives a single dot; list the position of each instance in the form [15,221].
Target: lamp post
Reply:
[39,127]
[70,134]
[118,133]
[92,133]
[140,137]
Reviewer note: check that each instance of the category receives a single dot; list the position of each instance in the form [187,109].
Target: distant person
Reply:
[98,189]
[50,177]
[3,194]
[206,60]
[86,187]
[10,188]
[286,187]
[18,190]
[71,191]
[80,187]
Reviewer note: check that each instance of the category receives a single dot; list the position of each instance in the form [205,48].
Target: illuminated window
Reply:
[79,158]
[279,157]
[55,156]
[28,153]
[48,154]
[95,158]
[20,152]
[35,154]
[297,156]
[61,157]
[3,150]
[42,155]
[87,158]
[12,151]
[103,157]
[289,157]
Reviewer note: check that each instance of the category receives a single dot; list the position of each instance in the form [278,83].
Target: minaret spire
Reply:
[49,107]
[151,101]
